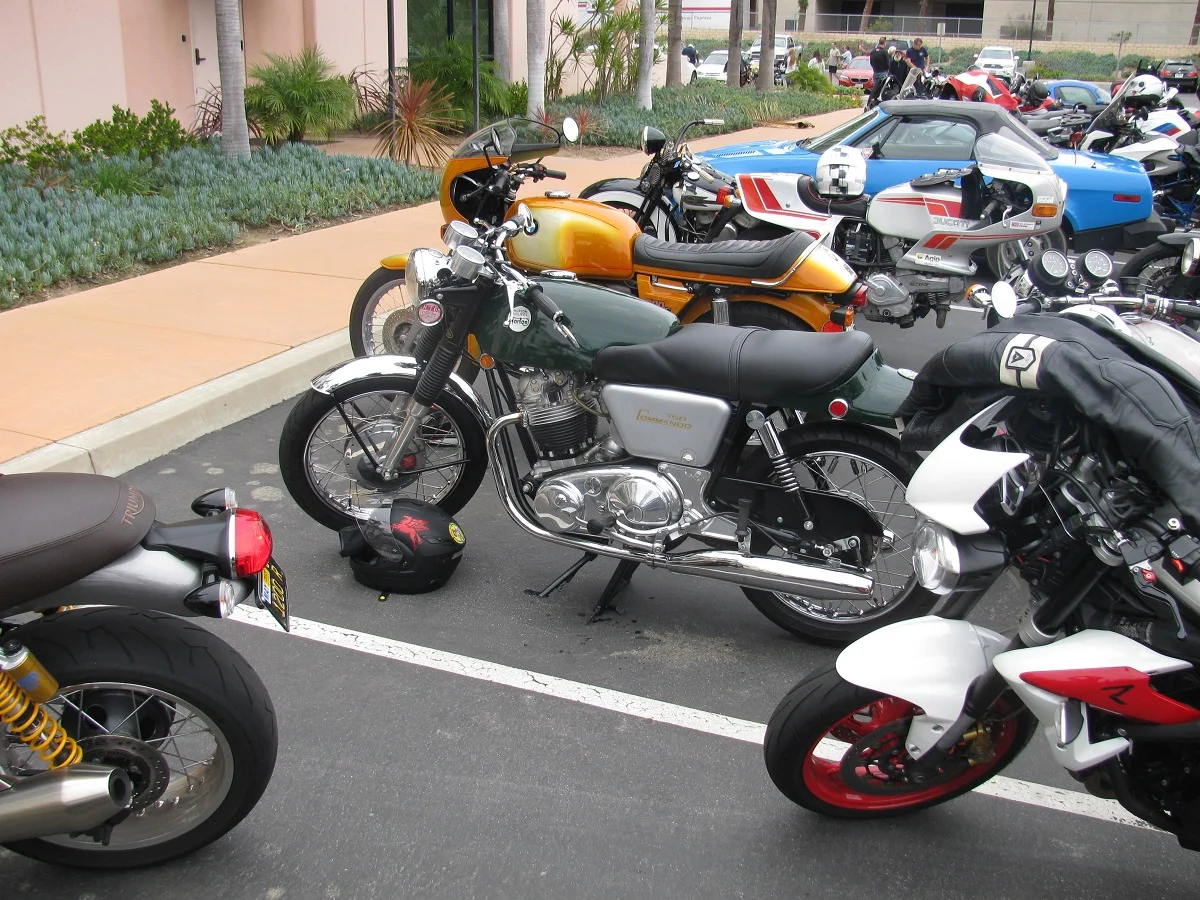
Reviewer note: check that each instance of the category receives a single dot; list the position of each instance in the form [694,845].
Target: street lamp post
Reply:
[391,38]
[1032,19]
[475,60]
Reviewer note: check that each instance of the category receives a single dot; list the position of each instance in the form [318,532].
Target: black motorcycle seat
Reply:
[763,260]
[55,528]
[854,207]
[747,364]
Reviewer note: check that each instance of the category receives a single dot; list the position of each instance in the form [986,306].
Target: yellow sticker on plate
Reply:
[457,533]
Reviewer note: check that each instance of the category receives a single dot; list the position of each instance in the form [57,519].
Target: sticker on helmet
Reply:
[456,534]
[411,527]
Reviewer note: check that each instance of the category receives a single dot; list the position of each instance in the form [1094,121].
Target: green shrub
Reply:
[299,95]
[157,133]
[450,67]
[53,233]
[813,80]
[34,145]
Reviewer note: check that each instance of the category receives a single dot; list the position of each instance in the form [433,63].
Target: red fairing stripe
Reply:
[758,197]
[1117,689]
[951,209]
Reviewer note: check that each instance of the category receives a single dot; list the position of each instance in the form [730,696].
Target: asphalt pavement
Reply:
[397,780]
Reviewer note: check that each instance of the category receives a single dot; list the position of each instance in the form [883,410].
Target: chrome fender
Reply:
[929,662]
[335,380]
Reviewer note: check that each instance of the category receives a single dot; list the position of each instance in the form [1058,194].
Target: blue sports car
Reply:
[1072,92]
[1109,200]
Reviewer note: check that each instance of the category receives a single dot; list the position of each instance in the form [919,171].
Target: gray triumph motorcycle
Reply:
[615,432]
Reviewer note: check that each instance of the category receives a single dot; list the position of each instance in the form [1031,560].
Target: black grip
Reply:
[1186,310]
[554,173]
[545,305]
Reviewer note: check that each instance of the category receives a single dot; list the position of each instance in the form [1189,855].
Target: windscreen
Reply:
[995,150]
[500,139]
[995,54]
[717,57]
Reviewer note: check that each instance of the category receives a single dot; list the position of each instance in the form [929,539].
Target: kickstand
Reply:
[619,581]
[562,579]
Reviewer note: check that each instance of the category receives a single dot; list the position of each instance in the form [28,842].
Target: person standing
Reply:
[879,69]
[898,68]
[917,57]
[847,56]
[832,62]
[815,62]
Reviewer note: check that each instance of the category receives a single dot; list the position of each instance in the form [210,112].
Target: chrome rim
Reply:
[872,485]
[335,462]
[390,323]
[1160,276]
[148,726]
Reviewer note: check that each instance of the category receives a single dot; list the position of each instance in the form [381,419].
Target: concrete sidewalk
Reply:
[111,377]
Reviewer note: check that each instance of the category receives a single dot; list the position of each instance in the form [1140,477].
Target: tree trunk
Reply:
[866,16]
[923,14]
[766,56]
[501,39]
[536,37]
[645,99]
[733,76]
[235,135]
[674,42]
[1195,35]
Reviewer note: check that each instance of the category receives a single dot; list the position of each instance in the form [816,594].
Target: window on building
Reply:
[434,23]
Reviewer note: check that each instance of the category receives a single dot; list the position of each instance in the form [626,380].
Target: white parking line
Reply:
[645,708]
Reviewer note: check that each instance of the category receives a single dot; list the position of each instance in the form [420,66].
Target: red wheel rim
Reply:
[823,776]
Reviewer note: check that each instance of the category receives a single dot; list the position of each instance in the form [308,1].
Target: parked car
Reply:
[1109,199]
[1072,92]
[858,74]
[783,44]
[714,65]
[1180,73]
[999,61]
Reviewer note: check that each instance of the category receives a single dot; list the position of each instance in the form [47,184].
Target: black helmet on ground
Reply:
[410,548]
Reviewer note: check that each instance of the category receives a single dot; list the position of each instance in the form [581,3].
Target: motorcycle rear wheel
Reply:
[1157,270]
[184,698]
[838,749]
[867,465]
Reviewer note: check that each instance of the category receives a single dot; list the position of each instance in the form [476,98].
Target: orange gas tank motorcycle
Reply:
[792,282]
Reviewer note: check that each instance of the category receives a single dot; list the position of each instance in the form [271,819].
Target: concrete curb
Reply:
[127,442]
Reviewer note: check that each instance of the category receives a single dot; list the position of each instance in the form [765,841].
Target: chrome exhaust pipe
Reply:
[63,801]
[767,573]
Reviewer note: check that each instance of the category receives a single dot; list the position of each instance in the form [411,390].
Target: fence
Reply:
[1072,29]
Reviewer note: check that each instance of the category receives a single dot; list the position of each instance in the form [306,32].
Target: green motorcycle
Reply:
[616,432]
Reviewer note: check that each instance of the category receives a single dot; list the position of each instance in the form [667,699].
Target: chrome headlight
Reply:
[425,268]
[935,558]
[1190,260]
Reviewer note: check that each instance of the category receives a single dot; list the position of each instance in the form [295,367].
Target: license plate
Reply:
[272,593]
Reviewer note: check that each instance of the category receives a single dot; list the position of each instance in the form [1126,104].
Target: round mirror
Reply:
[526,220]
[570,129]
[1004,299]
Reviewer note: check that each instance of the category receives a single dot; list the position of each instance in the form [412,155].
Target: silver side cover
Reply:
[673,426]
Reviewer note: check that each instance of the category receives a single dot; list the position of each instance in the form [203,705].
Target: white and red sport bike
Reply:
[1094,505]
[914,243]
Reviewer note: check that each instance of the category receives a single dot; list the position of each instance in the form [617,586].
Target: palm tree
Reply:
[866,16]
[235,135]
[674,42]
[733,76]
[501,39]
[536,39]
[766,56]
[923,13]
[645,99]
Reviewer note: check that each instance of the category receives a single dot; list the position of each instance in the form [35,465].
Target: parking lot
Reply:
[479,742]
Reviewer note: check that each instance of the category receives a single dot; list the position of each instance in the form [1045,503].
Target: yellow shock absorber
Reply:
[34,726]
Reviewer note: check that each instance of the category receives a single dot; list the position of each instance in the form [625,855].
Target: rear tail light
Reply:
[1191,74]
[249,543]
[831,327]
[725,195]
[860,296]
[1164,74]
[1128,198]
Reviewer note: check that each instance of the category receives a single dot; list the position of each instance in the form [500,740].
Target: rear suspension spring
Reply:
[35,727]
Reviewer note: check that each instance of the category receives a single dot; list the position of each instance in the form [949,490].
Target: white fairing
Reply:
[954,477]
[1158,155]
[1084,650]
[929,662]
[1165,121]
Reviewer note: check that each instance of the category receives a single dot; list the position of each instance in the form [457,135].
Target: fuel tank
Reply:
[909,213]
[581,236]
[599,318]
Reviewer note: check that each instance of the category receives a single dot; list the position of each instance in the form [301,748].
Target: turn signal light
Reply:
[725,195]
[250,543]
[1045,210]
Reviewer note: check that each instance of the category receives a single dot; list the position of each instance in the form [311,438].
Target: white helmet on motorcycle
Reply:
[1145,89]
[841,172]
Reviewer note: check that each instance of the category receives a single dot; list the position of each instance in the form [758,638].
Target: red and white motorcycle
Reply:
[1089,488]
[913,242]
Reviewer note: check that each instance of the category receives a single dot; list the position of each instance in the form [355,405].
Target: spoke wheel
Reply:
[383,318]
[838,749]
[180,711]
[866,466]
[1001,258]
[1157,270]
[328,451]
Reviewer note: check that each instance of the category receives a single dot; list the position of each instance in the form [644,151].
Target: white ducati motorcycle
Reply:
[914,242]
[1101,529]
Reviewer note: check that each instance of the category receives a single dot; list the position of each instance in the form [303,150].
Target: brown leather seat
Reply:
[55,528]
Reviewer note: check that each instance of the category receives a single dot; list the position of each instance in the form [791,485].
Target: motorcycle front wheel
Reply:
[838,749]
[1002,258]
[327,447]
[1157,270]
[864,465]
[174,706]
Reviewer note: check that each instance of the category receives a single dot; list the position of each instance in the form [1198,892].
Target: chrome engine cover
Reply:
[642,500]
